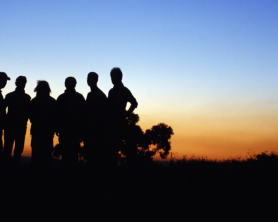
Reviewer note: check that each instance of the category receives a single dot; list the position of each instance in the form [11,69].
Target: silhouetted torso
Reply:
[2,111]
[42,114]
[70,110]
[96,107]
[2,119]
[18,105]
[70,116]
[117,98]
[42,118]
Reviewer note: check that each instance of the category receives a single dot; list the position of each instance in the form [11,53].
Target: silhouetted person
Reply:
[96,123]
[16,121]
[70,115]
[118,98]
[42,118]
[3,82]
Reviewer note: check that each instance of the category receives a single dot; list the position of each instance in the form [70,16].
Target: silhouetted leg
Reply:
[70,144]
[96,149]
[35,152]
[9,137]
[103,142]
[70,156]
[47,150]
[131,155]
[35,157]
[42,147]
[131,147]
[88,149]
[19,145]
[114,145]
[1,148]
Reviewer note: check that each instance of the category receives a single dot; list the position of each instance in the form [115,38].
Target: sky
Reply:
[206,68]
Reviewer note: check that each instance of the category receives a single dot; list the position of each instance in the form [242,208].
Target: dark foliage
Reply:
[153,141]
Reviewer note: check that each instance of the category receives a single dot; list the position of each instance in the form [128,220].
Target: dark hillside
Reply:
[192,190]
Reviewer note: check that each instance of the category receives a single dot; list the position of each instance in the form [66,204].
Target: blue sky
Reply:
[177,57]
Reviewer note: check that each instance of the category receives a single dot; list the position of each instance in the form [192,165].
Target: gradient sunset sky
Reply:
[208,68]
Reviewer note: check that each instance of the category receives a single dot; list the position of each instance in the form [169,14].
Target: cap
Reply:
[4,76]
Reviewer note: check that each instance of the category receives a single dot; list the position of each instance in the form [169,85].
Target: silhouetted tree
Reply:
[153,141]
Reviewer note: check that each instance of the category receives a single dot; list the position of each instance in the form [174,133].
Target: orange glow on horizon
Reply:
[212,133]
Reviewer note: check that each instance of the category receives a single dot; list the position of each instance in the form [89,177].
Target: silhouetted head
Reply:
[3,79]
[20,82]
[70,82]
[42,88]
[116,76]
[92,79]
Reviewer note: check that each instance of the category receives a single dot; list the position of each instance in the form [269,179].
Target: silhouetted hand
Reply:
[127,115]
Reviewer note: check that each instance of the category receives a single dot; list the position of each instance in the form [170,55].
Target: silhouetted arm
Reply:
[28,108]
[57,118]
[54,117]
[132,108]
[31,111]
[133,102]
[82,117]
[7,102]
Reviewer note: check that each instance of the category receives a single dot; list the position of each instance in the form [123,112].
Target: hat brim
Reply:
[8,78]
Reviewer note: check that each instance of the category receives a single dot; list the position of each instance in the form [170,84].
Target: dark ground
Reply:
[188,190]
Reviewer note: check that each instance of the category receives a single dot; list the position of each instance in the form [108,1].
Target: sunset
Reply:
[208,69]
[158,110]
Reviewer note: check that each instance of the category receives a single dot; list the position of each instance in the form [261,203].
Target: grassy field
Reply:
[183,190]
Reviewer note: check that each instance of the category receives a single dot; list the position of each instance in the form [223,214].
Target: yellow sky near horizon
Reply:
[214,132]
[221,130]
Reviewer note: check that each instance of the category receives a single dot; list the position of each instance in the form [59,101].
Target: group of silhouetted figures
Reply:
[98,121]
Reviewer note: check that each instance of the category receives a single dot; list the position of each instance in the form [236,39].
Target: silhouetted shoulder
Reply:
[123,92]
[80,96]
[76,94]
[9,96]
[27,96]
[129,95]
[61,96]
[12,94]
[102,94]
[97,93]
[52,99]
[49,99]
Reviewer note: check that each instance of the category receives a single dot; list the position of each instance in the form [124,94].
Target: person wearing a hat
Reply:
[16,121]
[3,82]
